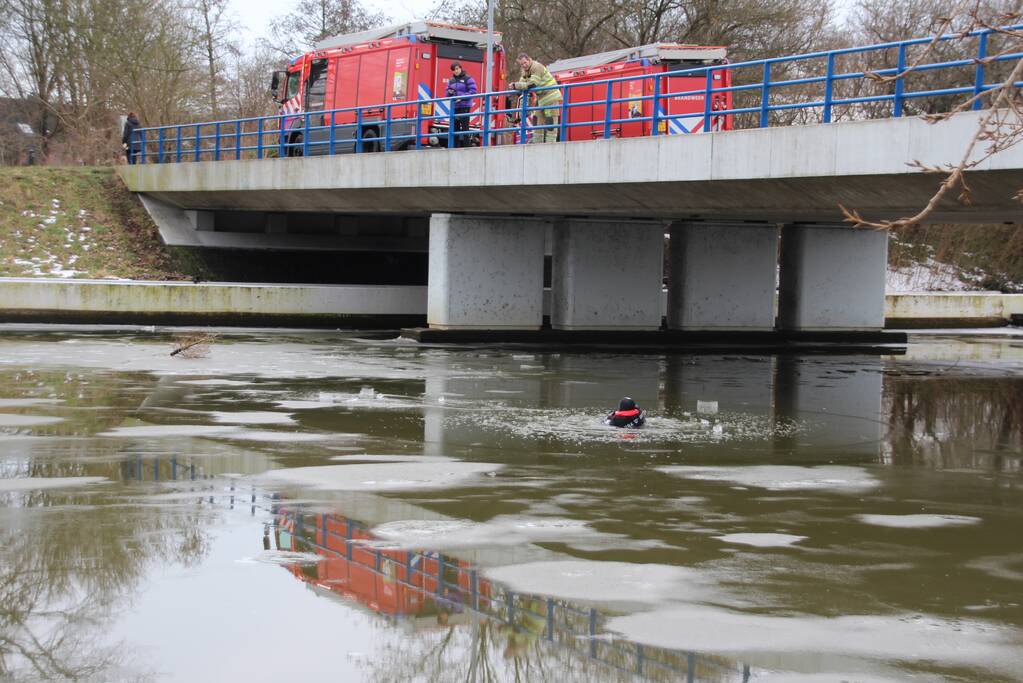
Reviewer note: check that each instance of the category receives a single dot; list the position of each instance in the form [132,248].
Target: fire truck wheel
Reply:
[295,148]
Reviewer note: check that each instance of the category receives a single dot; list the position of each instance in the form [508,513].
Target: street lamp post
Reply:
[490,47]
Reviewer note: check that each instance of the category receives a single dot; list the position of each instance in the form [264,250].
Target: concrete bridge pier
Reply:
[722,276]
[485,272]
[606,274]
[832,277]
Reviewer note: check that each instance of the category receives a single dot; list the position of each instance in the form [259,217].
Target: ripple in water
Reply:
[588,427]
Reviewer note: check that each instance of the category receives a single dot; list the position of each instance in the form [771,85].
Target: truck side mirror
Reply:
[275,84]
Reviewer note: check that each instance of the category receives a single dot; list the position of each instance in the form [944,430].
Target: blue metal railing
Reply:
[809,81]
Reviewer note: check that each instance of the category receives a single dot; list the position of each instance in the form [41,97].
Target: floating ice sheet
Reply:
[28,402]
[762,540]
[901,637]
[383,476]
[12,420]
[253,417]
[781,477]
[35,483]
[918,521]
[605,581]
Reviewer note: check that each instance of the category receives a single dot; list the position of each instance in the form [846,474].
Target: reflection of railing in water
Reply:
[405,583]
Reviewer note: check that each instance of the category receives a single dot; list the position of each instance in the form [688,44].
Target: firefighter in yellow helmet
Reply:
[536,75]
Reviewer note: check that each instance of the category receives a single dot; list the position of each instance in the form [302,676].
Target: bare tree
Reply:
[214,28]
[314,20]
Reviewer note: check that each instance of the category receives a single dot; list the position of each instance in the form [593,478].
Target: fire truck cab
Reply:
[639,61]
[404,64]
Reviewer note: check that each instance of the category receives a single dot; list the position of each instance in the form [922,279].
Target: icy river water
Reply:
[309,506]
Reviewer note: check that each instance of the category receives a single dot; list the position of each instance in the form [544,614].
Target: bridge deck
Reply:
[798,173]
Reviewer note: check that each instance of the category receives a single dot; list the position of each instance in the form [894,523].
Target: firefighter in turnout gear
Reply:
[536,75]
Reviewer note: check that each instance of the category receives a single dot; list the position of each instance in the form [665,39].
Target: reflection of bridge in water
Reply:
[418,585]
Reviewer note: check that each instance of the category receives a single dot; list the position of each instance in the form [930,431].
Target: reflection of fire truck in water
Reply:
[641,61]
[398,583]
[403,63]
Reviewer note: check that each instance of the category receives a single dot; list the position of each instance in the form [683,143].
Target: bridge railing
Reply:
[872,81]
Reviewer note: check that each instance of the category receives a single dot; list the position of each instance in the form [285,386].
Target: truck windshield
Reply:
[294,79]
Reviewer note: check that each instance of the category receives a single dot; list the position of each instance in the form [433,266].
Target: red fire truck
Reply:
[639,61]
[395,64]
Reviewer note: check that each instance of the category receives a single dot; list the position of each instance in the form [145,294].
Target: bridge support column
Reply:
[722,276]
[486,272]
[606,274]
[832,277]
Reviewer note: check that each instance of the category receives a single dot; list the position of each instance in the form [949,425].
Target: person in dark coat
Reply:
[628,415]
[130,140]
[461,85]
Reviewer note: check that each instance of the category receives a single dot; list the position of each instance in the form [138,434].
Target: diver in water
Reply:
[627,415]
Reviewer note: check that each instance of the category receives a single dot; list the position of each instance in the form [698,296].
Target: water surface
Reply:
[298,506]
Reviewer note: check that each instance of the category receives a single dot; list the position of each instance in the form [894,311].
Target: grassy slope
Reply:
[77,222]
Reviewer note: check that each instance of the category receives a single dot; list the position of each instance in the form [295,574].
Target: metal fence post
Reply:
[259,138]
[829,87]
[563,121]
[177,146]
[655,121]
[305,134]
[978,79]
[387,127]
[142,144]
[707,97]
[198,142]
[358,131]
[332,141]
[282,138]
[419,126]
[523,106]
[690,668]
[608,110]
[159,145]
[451,126]
[216,141]
[765,95]
[899,82]
[485,142]
[238,140]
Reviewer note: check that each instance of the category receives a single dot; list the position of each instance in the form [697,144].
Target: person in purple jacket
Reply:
[461,85]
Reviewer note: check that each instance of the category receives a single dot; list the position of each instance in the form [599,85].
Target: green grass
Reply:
[57,220]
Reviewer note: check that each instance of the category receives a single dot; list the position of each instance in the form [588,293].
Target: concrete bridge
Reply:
[756,238]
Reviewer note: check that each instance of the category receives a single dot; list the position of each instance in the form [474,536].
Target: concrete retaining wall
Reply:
[95,301]
[951,309]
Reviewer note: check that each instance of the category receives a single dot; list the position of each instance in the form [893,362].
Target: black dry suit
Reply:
[627,415]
